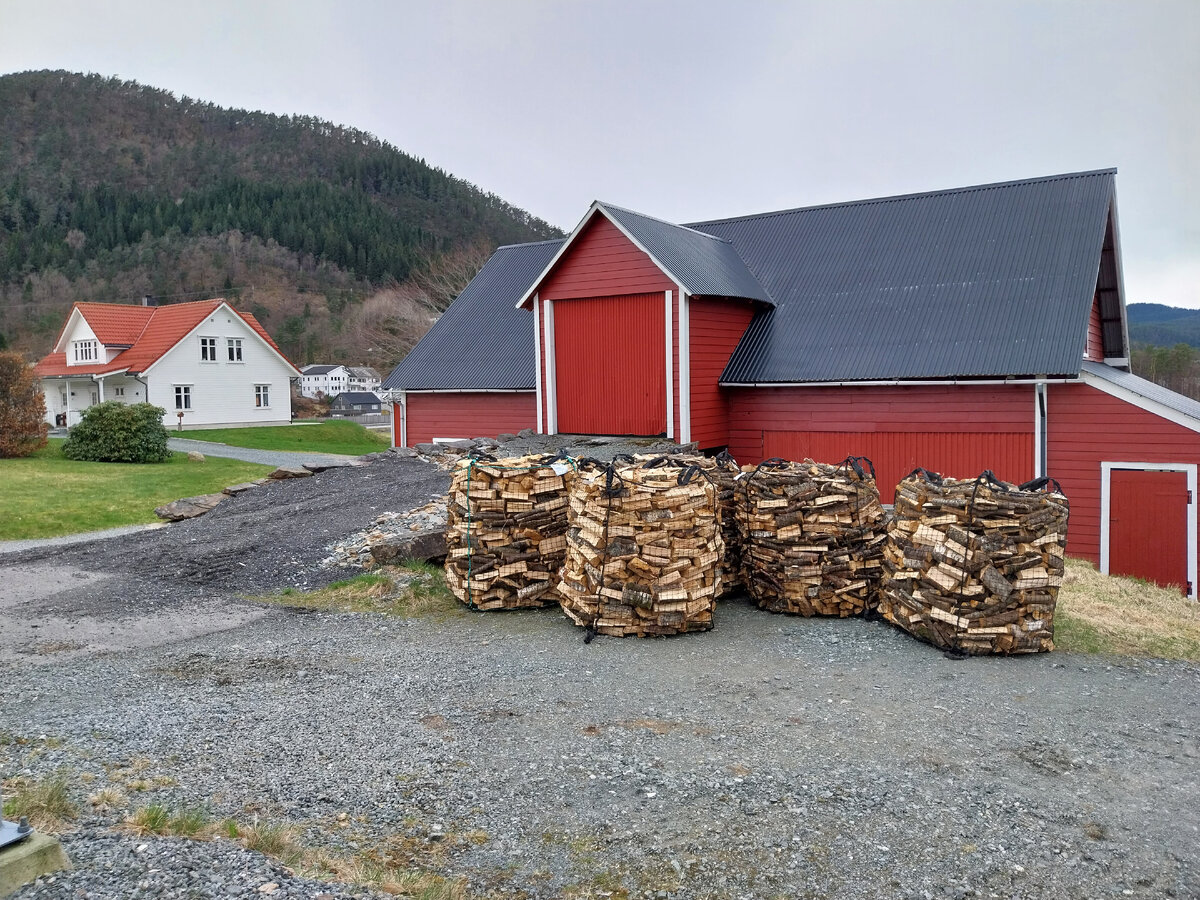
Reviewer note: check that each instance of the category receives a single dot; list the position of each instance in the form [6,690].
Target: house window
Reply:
[118,392]
[234,346]
[208,349]
[262,395]
[86,351]
[183,396]
[64,399]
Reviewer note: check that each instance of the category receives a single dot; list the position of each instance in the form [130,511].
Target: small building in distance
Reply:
[318,380]
[355,403]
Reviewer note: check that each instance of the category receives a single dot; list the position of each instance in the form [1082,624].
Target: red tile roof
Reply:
[149,332]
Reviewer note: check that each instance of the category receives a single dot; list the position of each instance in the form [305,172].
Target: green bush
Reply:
[116,432]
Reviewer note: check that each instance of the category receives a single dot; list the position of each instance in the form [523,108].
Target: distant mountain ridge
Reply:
[1163,326]
[110,190]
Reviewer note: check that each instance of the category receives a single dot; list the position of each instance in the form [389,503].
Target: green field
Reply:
[347,438]
[47,495]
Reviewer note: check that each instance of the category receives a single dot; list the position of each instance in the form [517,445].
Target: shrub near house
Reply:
[22,408]
[116,432]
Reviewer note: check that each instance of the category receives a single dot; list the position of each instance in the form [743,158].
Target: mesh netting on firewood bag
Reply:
[644,547]
[811,536]
[974,566]
[506,530]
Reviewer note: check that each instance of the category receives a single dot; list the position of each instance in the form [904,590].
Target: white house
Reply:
[214,364]
[329,381]
[319,380]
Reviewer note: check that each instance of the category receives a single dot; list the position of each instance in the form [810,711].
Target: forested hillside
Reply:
[344,245]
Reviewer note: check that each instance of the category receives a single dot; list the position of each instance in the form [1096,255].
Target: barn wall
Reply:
[1085,427]
[446,415]
[716,326]
[603,262]
[1095,336]
[958,430]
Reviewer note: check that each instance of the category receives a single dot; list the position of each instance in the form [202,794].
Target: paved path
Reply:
[32,543]
[266,457]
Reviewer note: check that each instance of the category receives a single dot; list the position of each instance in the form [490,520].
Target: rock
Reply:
[463,445]
[429,449]
[427,545]
[234,489]
[506,437]
[290,472]
[195,456]
[188,507]
[525,433]
[485,443]
[405,452]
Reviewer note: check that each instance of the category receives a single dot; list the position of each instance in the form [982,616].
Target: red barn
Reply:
[959,330]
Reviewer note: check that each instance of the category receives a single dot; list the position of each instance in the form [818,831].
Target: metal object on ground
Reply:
[11,832]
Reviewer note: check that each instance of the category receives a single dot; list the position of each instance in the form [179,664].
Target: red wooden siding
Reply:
[1148,526]
[610,365]
[1086,427]
[959,430]
[715,328]
[602,262]
[896,453]
[1095,335]
[446,415]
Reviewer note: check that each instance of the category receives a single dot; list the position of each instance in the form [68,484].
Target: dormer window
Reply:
[85,351]
[208,349]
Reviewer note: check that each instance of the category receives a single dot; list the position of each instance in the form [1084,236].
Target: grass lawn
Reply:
[348,438]
[1124,616]
[47,495]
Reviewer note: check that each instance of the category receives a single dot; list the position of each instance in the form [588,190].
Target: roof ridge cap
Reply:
[532,243]
[634,212]
[896,198]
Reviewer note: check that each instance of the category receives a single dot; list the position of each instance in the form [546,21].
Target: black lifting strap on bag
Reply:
[1040,483]
[775,462]
[930,477]
[478,454]
[855,463]
[725,459]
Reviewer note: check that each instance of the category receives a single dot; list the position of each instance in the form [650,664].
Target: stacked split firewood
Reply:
[724,472]
[644,547]
[506,531]
[812,536]
[975,566]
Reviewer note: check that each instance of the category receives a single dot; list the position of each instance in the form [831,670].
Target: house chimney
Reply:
[147,300]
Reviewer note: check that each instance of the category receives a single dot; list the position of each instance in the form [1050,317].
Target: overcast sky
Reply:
[700,109]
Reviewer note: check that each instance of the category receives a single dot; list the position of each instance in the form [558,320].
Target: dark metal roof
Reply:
[702,263]
[991,280]
[1143,388]
[317,370]
[482,341]
[351,398]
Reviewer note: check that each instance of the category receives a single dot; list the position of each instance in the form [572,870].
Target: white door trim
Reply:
[537,359]
[670,359]
[1106,469]
[551,369]
[685,364]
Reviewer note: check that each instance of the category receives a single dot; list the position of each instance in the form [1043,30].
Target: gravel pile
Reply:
[355,551]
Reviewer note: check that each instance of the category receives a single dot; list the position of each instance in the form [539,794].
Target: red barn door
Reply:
[1147,526]
[610,365]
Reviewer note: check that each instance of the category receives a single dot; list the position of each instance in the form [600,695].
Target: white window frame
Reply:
[1106,470]
[262,396]
[85,351]
[183,393]
[233,350]
[118,392]
[207,344]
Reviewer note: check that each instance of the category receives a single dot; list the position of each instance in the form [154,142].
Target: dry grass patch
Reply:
[1124,616]
[413,589]
[46,802]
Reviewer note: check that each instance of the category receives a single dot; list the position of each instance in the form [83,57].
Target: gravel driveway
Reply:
[265,457]
[771,757]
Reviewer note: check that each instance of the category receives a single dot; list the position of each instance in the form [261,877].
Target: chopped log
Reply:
[644,547]
[974,566]
[506,529]
[812,536]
